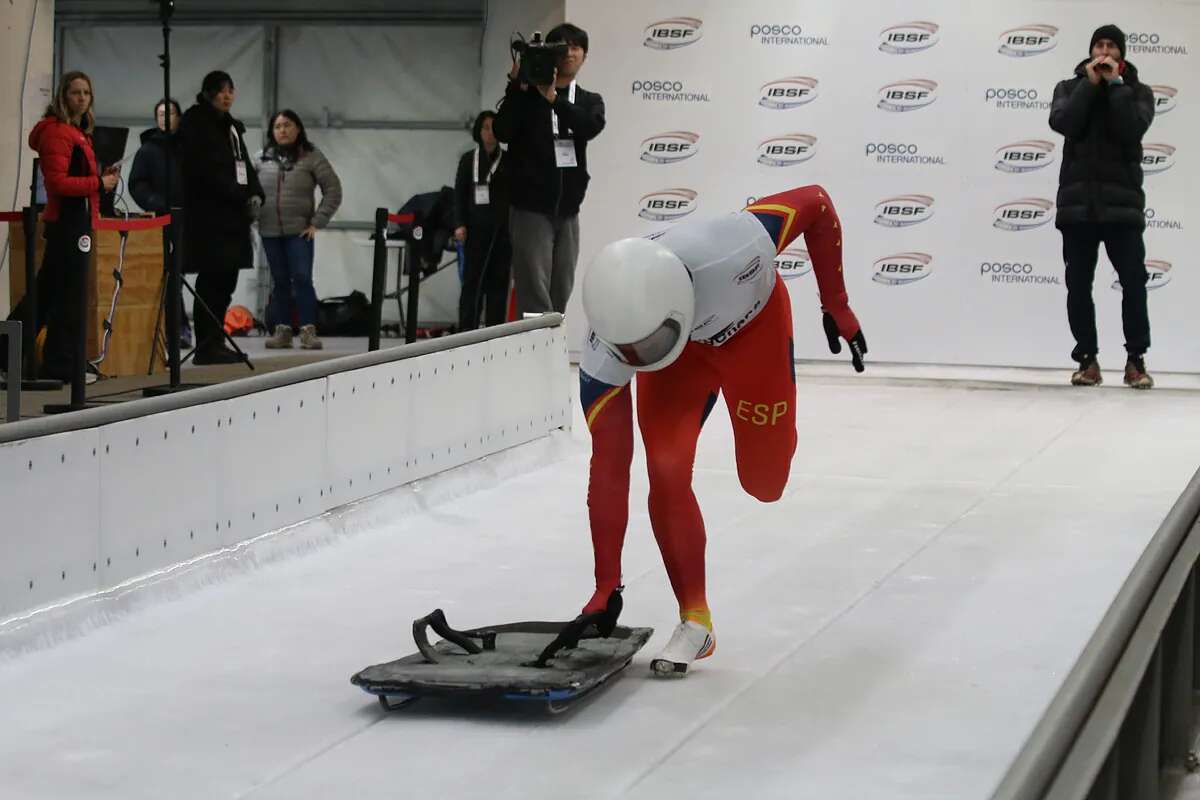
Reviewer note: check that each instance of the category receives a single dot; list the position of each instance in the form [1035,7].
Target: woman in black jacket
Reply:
[148,178]
[481,226]
[221,199]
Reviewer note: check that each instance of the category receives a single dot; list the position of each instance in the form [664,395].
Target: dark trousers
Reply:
[59,302]
[485,278]
[215,288]
[291,261]
[1127,252]
[545,250]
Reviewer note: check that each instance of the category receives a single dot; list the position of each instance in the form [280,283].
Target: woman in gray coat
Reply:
[290,170]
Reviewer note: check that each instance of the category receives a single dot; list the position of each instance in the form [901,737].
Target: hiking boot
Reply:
[1136,375]
[1088,373]
[309,339]
[282,339]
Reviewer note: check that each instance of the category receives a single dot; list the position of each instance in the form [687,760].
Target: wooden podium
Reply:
[138,309]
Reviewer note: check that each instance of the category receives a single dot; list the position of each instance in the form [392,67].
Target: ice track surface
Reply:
[892,628]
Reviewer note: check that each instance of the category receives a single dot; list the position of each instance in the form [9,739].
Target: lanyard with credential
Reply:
[478,176]
[236,143]
[554,117]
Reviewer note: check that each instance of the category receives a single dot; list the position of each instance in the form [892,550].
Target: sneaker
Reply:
[1136,375]
[282,340]
[690,642]
[308,338]
[1088,373]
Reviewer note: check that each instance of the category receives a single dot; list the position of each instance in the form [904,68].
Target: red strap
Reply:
[402,219]
[135,224]
[10,216]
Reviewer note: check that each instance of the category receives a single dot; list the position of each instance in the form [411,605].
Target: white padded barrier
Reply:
[84,511]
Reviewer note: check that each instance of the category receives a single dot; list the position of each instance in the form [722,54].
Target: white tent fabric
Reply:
[123,64]
[328,74]
[380,73]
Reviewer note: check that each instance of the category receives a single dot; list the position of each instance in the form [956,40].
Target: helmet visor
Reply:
[652,348]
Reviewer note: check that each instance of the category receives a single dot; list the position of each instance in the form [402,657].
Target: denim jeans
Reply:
[291,260]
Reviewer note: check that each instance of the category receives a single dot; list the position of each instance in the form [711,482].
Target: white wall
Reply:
[959,312]
[28,61]
[271,459]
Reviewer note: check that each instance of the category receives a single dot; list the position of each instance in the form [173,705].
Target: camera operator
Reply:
[1103,112]
[547,120]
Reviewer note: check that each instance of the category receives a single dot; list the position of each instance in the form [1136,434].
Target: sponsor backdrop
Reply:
[928,124]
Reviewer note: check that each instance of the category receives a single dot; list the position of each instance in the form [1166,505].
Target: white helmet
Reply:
[639,299]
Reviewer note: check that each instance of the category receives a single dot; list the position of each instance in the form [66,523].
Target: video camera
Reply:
[537,59]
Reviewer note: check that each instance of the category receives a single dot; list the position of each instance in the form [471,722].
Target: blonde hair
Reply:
[61,111]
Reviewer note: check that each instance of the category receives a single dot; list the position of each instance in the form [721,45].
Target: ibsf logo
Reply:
[904,210]
[1024,214]
[793,263]
[908,37]
[902,268]
[670,147]
[1157,158]
[1025,156]
[1028,40]
[1164,98]
[907,95]
[787,150]
[667,205]
[673,33]
[751,271]
[1158,275]
[788,92]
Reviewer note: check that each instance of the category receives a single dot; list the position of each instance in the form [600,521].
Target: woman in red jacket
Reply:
[63,142]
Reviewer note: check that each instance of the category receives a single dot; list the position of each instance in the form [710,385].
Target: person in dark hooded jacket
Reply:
[1103,111]
[221,198]
[148,178]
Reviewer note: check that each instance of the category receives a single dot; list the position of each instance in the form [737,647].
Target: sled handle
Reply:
[437,620]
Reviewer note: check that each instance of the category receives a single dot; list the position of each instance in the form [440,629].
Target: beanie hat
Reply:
[1109,32]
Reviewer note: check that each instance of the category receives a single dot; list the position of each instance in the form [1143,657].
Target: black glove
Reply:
[858,344]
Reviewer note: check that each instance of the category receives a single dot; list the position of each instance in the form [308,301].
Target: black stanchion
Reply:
[378,278]
[172,242]
[407,264]
[32,382]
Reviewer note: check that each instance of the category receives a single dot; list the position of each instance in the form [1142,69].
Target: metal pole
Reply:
[79,362]
[29,225]
[174,292]
[378,278]
[414,288]
[173,234]
[14,330]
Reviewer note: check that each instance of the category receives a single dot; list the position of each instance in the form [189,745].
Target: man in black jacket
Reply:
[547,129]
[1103,112]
